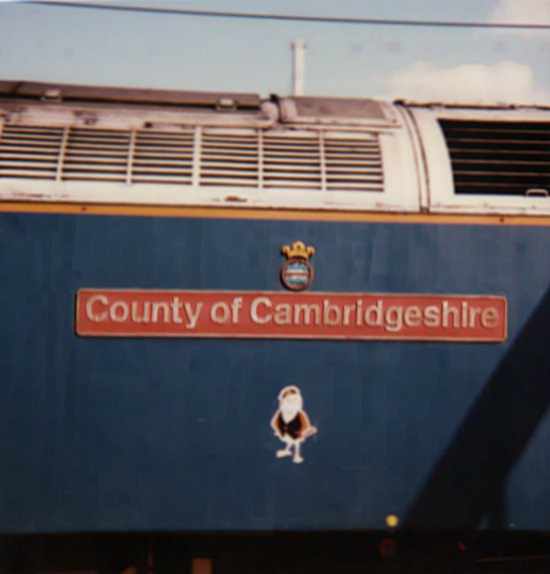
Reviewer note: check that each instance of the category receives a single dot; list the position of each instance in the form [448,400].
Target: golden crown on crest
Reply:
[298,250]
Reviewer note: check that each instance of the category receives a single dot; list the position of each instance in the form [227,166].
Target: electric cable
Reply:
[89,5]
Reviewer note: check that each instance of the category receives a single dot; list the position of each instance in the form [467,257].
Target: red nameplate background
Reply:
[281,315]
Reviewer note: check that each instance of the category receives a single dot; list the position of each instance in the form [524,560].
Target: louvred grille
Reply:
[30,152]
[292,162]
[161,157]
[209,157]
[499,158]
[353,165]
[94,155]
[229,159]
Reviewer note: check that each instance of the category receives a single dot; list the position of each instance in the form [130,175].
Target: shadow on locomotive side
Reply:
[467,486]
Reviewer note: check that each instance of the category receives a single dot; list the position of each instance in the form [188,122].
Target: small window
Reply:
[499,158]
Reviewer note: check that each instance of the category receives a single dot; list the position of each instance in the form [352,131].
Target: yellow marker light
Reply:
[392,521]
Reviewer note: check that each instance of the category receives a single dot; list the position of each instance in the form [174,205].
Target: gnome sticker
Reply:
[291,423]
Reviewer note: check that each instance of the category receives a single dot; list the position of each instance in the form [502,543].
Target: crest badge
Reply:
[297,272]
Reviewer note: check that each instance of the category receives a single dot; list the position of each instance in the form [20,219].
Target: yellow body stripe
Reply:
[272,214]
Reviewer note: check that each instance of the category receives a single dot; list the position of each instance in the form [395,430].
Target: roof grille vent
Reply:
[30,152]
[161,158]
[498,158]
[94,155]
[353,165]
[292,162]
[198,157]
[229,159]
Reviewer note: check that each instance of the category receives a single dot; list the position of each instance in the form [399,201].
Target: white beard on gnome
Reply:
[290,406]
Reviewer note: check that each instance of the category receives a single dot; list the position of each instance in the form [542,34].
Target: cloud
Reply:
[521,12]
[504,82]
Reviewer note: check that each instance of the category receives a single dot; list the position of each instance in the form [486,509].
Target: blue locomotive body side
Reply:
[174,434]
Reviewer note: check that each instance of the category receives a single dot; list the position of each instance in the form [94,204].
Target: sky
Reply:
[97,47]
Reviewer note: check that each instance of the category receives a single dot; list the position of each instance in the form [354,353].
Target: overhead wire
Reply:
[269,16]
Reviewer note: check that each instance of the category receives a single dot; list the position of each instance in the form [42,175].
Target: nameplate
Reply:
[281,315]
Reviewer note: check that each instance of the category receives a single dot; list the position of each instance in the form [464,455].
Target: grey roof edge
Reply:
[469,105]
[110,94]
